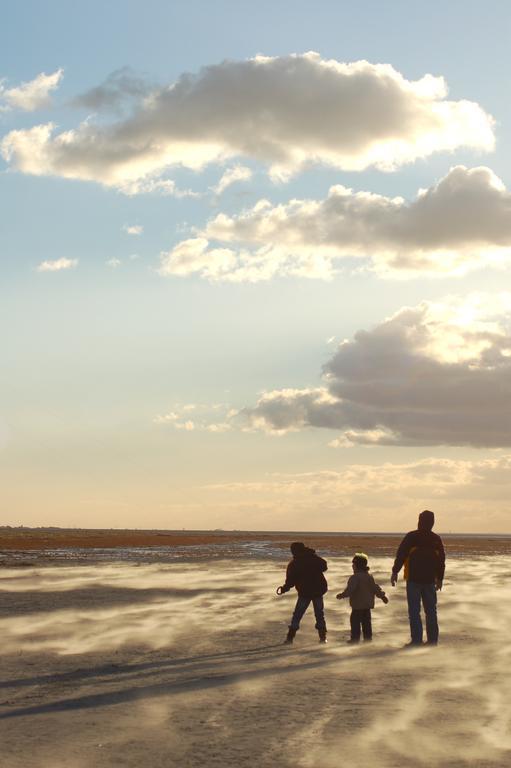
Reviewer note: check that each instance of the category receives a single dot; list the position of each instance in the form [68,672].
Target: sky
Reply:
[254,265]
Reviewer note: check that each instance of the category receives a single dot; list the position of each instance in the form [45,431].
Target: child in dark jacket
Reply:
[361,589]
[305,574]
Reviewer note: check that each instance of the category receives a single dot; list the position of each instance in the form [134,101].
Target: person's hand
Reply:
[393,578]
[438,585]
[385,599]
[280,590]
[340,596]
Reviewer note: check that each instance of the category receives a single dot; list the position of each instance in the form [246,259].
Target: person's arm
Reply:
[350,588]
[323,564]
[290,578]
[441,564]
[378,591]
[401,555]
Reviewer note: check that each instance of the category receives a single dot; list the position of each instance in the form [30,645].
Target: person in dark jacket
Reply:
[423,556]
[305,574]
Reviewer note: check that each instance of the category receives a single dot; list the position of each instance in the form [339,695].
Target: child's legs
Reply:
[319,612]
[429,600]
[355,622]
[367,629]
[413,596]
[301,606]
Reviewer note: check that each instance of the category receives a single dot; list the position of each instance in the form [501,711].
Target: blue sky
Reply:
[141,390]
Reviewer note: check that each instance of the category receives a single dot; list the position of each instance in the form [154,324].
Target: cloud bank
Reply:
[31,95]
[461,223]
[286,112]
[473,495]
[433,374]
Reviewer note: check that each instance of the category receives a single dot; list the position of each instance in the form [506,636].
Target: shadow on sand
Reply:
[37,601]
[196,670]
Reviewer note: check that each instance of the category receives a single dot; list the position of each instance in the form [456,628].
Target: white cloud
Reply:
[166,418]
[222,426]
[434,374]
[192,255]
[187,425]
[461,223]
[206,417]
[32,95]
[57,265]
[287,112]
[114,262]
[133,229]
[232,176]
[151,185]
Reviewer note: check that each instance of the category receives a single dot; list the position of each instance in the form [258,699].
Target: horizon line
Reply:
[242,531]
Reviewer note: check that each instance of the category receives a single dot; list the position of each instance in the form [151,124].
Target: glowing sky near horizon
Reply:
[254,264]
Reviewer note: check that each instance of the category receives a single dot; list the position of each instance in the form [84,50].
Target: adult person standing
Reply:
[423,556]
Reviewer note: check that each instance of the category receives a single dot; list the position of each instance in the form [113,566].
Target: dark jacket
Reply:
[305,573]
[422,553]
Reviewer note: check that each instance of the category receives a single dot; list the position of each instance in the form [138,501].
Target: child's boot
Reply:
[322,635]
[291,632]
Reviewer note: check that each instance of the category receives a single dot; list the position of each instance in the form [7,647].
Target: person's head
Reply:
[426,520]
[297,548]
[359,562]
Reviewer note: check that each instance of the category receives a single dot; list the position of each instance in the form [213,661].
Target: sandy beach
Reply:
[167,664]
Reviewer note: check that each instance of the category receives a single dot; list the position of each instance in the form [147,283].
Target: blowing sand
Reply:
[182,664]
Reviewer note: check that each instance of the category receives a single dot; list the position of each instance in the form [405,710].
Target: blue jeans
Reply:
[301,606]
[415,593]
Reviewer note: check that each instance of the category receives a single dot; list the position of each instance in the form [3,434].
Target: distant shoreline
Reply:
[51,539]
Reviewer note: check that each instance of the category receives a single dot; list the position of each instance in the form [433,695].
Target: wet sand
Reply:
[182,664]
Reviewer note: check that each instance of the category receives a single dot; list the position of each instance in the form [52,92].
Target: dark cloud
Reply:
[119,87]
[286,112]
[435,374]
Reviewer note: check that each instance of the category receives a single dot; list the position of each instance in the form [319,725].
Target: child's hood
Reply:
[305,552]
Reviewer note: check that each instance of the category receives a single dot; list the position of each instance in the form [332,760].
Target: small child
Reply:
[361,589]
